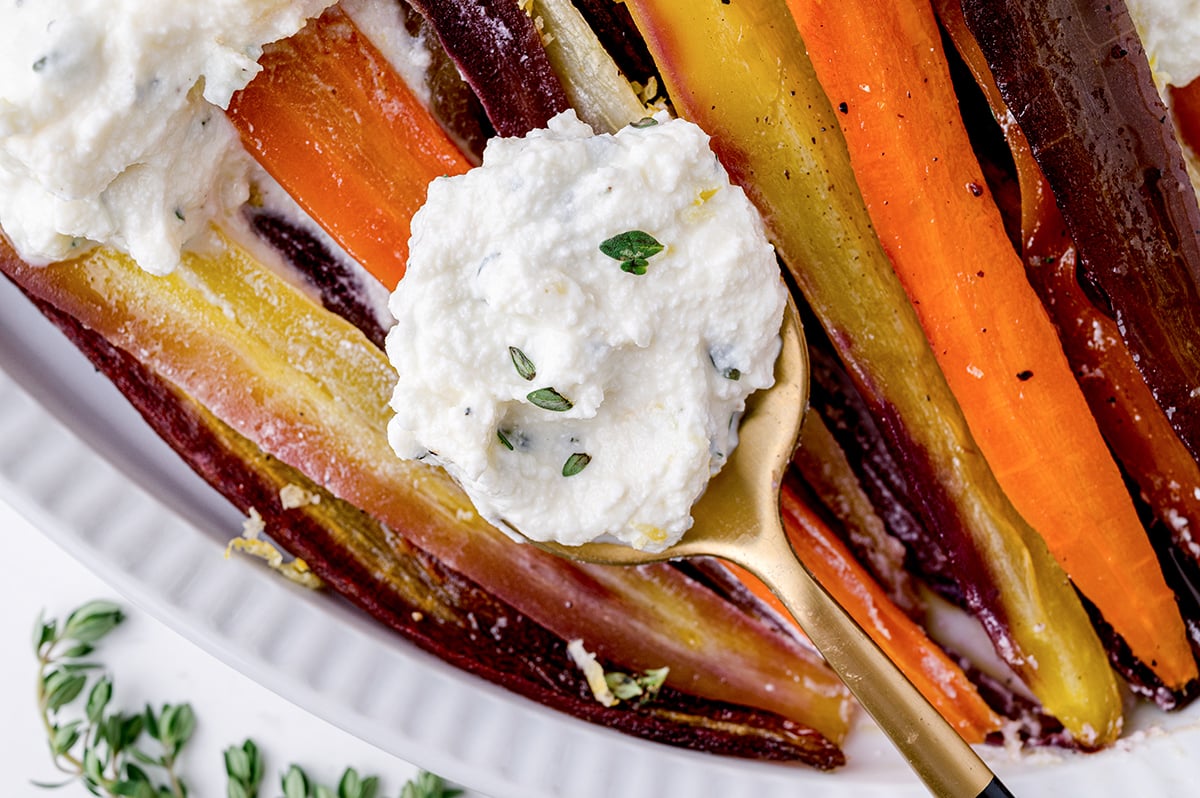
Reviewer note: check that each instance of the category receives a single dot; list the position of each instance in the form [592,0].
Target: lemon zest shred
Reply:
[295,570]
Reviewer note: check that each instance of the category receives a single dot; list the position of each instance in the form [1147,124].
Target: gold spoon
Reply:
[737,520]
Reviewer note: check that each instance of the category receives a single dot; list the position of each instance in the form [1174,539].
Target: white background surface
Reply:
[151,663]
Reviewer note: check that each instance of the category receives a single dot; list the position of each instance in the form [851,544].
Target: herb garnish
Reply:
[105,749]
[632,248]
[522,363]
[427,785]
[504,439]
[244,769]
[549,399]
[644,687]
[576,463]
[645,121]
[731,374]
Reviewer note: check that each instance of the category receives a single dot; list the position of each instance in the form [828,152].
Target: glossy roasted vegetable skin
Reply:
[739,70]
[1076,79]
[1134,425]
[307,388]
[999,350]
[830,475]
[499,53]
[358,166]
[938,678]
[411,592]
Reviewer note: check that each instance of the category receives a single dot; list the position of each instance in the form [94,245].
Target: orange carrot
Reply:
[1128,415]
[1185,102]
[884,70]
[925,664]
[336,126]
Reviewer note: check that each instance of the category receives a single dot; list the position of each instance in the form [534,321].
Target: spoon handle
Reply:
[995,789]
[935,751]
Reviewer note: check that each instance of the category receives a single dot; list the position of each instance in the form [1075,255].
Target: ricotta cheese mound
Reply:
[110,123]
[582,319]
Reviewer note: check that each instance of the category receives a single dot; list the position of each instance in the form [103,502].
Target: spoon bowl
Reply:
[737,519]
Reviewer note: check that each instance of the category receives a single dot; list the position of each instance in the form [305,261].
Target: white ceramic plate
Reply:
[83,466]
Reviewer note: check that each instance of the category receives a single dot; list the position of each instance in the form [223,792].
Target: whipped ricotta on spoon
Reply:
[582,319]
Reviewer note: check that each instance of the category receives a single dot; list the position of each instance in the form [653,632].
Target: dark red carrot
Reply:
[499,53]
[1075,77]
[1185,104]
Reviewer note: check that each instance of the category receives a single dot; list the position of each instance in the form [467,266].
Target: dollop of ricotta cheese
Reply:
[581,322]
[110,128]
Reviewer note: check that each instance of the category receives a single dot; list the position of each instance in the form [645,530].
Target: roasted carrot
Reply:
[1185,103]
[925,664]
[1130,419]
[1076,78]
[740,70]
[312,393]
[829,475]
[336,126]
[883,67]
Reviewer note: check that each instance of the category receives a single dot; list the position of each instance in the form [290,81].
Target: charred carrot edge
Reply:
[885,71]
[336,126]
[1185,103]
[938,678]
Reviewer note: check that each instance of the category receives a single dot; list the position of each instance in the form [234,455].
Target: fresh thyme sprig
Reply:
[105,750]
[427,785]
[245,770]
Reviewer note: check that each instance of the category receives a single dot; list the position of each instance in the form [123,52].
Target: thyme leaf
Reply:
[504,439]
[632,248]
[645,121]
[522,363]
[427,785]
[549,399]
[644,687]
[576,463]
